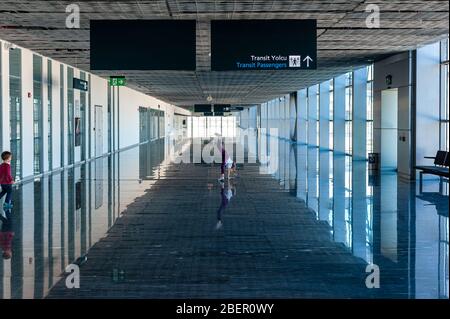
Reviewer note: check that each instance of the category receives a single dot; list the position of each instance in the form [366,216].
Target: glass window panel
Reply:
[15,116]
[37,113]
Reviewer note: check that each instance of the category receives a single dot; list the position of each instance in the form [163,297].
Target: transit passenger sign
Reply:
[263,45]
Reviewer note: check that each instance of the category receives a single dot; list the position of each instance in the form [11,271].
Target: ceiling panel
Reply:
[344,41]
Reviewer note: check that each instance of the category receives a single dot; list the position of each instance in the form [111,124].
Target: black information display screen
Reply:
[221,107]
[210,108]
[263,45]
[80,84]
[202,108]
[143,45]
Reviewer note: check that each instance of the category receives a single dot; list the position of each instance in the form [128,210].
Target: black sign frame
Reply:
[80,84]
[241,45]
[143,45]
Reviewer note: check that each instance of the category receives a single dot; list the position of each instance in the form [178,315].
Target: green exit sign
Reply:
[117,81]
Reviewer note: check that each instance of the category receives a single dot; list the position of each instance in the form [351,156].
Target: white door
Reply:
[98,130]
[389,129]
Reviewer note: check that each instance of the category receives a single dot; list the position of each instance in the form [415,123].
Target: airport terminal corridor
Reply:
[224,153]
[141,226]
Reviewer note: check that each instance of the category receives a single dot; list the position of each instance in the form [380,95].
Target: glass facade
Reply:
[37,114]
[15,109]
[211,126]
[328,171]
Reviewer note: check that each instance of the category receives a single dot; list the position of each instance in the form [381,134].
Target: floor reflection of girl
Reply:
[225,195]
[6,234]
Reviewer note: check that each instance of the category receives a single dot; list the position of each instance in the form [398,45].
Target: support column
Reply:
[266,119]
[324,153]
[284,118]
[287,116]
[302,148]
[5,133]
[263,117]
[359,128]
[276,115]
[44,113]
[359,165]
[312,115]
[279,136]
[269,116]
[324,115]
[302,117]
[57,129]
[301,158]
[339,159]
[292,117]
[312,198]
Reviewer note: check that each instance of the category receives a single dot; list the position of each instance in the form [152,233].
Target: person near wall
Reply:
[6,179]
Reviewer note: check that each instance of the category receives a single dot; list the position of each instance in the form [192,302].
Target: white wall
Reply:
[27,113]
[428,103]
[4,94]
[126,109]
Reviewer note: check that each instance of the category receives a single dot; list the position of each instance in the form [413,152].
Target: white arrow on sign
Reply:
[307,59]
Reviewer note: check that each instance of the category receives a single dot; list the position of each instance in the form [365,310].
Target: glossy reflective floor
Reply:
[305,225]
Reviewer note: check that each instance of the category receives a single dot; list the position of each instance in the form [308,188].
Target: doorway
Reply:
[144,128]
[98,130]
[389,129]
